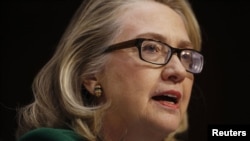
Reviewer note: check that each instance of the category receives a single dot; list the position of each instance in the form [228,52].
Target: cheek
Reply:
[128,85]
[125,76]
[187,89]
[126,82]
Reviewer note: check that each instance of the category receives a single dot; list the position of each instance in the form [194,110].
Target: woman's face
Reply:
[139,90]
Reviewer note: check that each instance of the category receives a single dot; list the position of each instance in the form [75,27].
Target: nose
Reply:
[174,70]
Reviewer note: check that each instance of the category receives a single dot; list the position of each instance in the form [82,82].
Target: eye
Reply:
[186,55]
[151,48]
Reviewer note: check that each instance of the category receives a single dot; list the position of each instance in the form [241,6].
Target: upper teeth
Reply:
[170,95]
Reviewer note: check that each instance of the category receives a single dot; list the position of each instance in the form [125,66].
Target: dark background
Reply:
[30,31]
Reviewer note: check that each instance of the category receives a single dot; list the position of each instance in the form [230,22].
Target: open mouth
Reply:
[173,99]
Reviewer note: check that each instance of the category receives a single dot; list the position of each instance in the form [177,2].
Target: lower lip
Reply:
[168,105]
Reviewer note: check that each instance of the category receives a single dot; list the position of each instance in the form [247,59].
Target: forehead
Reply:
[145,17]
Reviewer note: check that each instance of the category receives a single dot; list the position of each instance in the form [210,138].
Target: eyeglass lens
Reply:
[158,53]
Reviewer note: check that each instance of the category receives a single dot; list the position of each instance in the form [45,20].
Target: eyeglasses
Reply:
[156,52]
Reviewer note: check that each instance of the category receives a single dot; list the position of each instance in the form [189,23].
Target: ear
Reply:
[90,83]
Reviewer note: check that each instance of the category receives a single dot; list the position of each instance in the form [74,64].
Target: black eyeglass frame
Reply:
[138,43]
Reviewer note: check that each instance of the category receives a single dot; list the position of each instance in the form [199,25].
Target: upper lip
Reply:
[170,93]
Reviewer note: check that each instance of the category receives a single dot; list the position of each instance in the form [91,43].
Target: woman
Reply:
[123,71]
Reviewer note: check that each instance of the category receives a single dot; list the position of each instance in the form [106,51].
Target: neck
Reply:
[122,131]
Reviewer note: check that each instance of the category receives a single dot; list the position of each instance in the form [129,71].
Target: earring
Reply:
[98,90]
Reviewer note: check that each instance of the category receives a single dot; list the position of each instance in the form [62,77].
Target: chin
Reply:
[177,126]
[167,125]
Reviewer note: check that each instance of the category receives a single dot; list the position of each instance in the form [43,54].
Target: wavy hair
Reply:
[60,100]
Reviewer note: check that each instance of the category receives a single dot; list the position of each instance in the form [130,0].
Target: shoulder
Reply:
[51,134]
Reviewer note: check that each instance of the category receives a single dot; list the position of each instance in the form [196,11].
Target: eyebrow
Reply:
[152,35]
[159,37]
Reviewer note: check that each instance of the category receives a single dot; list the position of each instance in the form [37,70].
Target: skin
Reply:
[130,83]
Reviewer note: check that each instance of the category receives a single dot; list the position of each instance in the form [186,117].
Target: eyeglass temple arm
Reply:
[122,45]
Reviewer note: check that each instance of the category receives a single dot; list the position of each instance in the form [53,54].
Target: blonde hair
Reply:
[60,99]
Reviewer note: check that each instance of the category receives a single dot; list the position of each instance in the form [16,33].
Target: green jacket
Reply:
[51,134]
